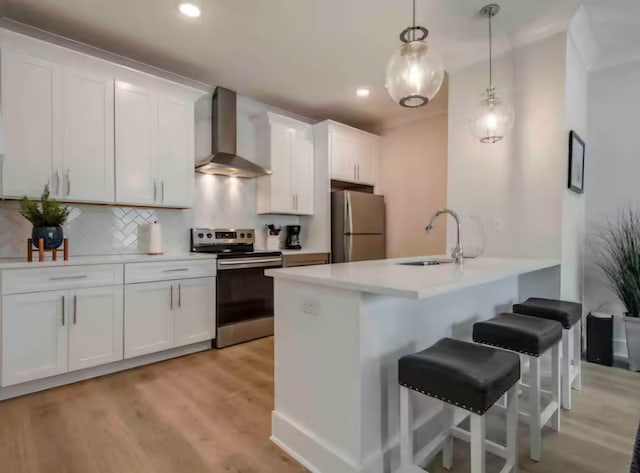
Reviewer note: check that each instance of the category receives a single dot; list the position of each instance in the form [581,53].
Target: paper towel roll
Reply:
[155,239]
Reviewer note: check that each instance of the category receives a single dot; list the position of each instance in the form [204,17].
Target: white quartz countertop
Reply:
[21,263]
[387,277]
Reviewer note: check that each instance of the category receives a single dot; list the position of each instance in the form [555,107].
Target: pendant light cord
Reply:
[490,53]
[413,32]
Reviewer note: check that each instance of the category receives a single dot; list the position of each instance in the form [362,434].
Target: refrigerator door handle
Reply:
[348,247]
[348,224]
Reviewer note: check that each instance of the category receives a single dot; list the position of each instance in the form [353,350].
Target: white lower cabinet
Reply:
[194,317]
[95,327]
[167,314]
[50,333]
[34,336]
[148,318]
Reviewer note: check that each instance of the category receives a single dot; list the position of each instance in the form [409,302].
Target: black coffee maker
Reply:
[292,240]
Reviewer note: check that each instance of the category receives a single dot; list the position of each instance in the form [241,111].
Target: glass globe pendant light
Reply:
[492,118]
[413,77]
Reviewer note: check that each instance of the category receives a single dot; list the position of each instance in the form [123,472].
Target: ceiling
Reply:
[615,26]
[306,56]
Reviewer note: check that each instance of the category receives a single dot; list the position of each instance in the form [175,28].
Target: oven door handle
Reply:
[249,263]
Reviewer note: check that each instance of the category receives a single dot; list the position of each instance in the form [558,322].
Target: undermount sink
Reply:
[429,262]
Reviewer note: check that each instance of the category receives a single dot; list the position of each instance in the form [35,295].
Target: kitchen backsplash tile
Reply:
[100,229]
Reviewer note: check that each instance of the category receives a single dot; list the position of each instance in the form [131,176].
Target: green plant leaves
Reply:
[618,256]
[46,213]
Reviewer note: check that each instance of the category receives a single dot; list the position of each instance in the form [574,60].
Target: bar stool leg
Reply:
[447,449]
[577,358]
[512,427]
[535,429]
[566,369]
[555,388]
[406,430]
[478,432]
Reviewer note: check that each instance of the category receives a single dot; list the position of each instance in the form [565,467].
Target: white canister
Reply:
[273,242]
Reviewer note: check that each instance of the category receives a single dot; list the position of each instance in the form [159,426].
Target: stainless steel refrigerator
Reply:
[357,226]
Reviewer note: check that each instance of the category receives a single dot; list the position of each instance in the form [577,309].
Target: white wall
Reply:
[517,187]
[516,183]
[413,178]
[613,168]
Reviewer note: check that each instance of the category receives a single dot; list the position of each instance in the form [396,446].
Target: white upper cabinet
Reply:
[28,85]
[175,151]
[93,130]
[86,159]
[154,147]
[136,144]
[289,145]
[353,154]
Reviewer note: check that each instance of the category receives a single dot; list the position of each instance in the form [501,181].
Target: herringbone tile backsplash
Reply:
[99,230]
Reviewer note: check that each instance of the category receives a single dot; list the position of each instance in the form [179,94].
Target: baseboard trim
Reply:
[97,371]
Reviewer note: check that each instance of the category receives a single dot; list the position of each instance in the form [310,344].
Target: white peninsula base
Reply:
[340,330]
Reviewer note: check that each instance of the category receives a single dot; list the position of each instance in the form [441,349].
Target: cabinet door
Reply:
[34,336]
[302,165]
[281,177]
[195,311]
[148,318]
[343,150]
[136,144]
[176,152]
[367,160]
[28,90]
[87,143]
[95,327]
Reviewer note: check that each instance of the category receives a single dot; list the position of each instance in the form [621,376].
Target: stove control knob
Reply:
[242,235]
[248,235]
[200,235]
[209,235]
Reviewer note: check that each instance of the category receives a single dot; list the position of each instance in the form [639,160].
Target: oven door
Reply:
[244,300]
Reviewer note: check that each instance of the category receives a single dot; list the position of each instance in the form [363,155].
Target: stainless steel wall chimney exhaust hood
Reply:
[224,159]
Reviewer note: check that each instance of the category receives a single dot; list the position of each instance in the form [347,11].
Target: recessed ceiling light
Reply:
[363,92]
[190,10]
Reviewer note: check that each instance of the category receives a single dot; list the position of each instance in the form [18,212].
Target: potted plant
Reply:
[619,259]
[47,218]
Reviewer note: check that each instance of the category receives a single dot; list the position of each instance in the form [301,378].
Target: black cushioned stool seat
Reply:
[520,333]
[567,313]
[464,374]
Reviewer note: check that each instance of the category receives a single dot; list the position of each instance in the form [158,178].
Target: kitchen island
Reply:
[340,330]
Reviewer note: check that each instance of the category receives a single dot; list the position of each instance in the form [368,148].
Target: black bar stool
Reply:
[568,314]
[531,337]
[462,375]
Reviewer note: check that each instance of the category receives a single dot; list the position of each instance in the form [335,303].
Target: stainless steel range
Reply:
[244,295]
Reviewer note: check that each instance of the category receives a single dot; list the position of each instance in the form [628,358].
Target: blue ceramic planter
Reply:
[52,237]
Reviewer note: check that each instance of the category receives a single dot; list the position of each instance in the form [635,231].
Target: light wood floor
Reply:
[210,412]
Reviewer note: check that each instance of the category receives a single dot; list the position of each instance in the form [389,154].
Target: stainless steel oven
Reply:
[244,295]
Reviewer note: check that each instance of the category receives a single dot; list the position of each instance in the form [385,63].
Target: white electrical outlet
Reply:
[311,307]
[498,225]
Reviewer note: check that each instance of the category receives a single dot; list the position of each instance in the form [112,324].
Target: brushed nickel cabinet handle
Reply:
[63,309]
[162,190]
[175,270]
[75,309]
[68,182]
[67,278]
[171,297]
[179,296]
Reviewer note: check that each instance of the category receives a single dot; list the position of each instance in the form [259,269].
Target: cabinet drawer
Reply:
[20,281]
[308,259]
[166,271]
